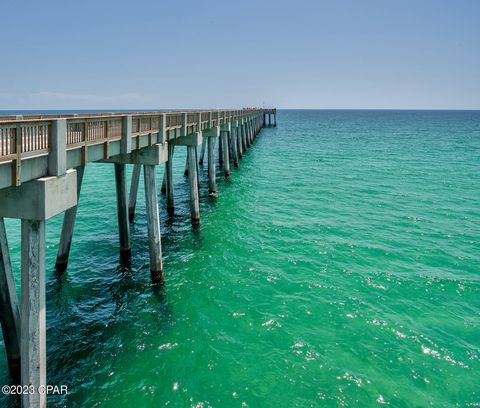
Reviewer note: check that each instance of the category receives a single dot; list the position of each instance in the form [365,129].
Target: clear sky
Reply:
[209,54]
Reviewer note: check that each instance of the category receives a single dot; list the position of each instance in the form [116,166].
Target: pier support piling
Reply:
[212,182]
[33,340]
[220,154]
[244,137]
[9,310]
[192,140]
[169,179]
[68,227]
[153,224]
[234,143]
[132,198]
[239,141]
[122,214]
[185,172]
[193,184]
[226,158]
[164,182]
[202,151]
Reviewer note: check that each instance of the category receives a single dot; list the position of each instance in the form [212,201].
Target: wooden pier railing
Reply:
[26,136]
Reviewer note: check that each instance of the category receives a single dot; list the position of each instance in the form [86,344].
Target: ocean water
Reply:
[339,267]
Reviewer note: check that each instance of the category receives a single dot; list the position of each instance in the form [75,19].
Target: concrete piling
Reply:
[226,156]
[68,227]
[239,141]
[153,224]
[202,151]
[234,143]
[185,172]
[220,154]
[244,137]
[9,309]
[169,179]
[122,212]
[164,183]
[193,185]
[132,198]
[198,169]
[212,182]
[33,329]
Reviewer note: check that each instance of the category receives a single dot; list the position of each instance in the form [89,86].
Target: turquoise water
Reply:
[339,267]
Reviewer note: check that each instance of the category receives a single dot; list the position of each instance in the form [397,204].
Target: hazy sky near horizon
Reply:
[407,54]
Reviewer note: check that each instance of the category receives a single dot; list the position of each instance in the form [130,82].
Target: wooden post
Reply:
[68,226]
[226,158]
[212,182]
[33,341]
[9,310]
[153,224]
[122,213]
[169,179]
[193,184]
[132,198]
[202,151]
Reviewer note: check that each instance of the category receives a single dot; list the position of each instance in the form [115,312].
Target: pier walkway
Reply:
[42,161]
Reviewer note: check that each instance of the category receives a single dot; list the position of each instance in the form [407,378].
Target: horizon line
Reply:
[227,108]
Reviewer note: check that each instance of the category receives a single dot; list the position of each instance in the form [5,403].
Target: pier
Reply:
[270,117]
[42,162]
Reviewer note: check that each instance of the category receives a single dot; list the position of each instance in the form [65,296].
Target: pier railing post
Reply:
[153,224]
[33,341]
[126,142]
[122,213]
[163,129]
[57,159]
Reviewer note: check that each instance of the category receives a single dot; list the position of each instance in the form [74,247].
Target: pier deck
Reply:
[42,161]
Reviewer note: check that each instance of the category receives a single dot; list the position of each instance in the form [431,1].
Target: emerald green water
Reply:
[339,267]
